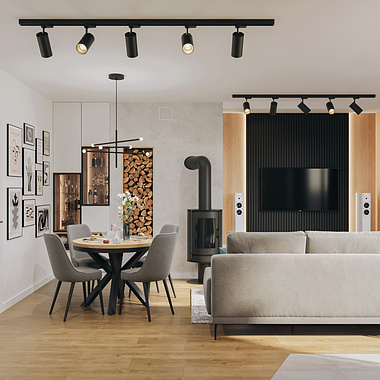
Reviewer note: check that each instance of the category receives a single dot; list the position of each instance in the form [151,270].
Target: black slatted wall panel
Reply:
[296,140]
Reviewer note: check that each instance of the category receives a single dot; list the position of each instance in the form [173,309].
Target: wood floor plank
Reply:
[34,345]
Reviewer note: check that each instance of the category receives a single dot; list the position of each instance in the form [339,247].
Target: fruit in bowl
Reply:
[105,241]
[93,238]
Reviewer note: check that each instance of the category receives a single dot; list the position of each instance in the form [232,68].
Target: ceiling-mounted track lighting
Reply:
[246,107]
[44,43]
[237,44]
[85,42]
[131,44]
[130,37]
[187,42]
[303,107]
[330,107]
[355,107]
[273,107]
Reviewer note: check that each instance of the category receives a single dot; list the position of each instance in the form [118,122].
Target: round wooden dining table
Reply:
[138,246]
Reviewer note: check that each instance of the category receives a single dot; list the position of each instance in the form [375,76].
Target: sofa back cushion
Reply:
[342,242]
[266,242]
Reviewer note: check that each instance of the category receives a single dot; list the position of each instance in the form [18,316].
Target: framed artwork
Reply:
[46,173]
[28,134]
[39,182]
[29,208]
[39,151]
[28,171]
[42,220]
[14,166]
[46,143]
[14,212]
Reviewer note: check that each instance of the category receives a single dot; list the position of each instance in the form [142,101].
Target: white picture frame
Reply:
[39,182]
[14,156]
[14,212]
[29,209]
[28,171]
[39,147]
[46,143]
[46,172]
[42,219]
[28,134]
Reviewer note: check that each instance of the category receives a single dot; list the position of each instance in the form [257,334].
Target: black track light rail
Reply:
[137,23]
[303,96]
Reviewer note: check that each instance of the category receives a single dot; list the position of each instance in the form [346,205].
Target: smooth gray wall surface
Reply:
[195,129]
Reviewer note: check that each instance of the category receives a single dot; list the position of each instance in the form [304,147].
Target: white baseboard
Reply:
[12,301]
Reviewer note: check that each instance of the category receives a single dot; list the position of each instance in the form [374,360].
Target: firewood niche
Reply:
[138,180]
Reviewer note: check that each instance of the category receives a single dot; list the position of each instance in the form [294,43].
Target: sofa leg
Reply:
[215,330]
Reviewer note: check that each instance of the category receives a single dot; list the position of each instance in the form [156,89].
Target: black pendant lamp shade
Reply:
[85,43]
[330,107]
[356,108]
[44,44]
[237,44]
[131,44]
[303,107]
[187,42]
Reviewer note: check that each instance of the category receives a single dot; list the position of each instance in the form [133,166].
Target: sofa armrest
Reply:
[207,288]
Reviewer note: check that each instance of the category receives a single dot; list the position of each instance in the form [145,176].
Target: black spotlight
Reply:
[246,108]
[44,44]
[187,42]
[273,108]
[85,42]
[131,44]
[237,44]
[356,108]
[303,107]
[330,107]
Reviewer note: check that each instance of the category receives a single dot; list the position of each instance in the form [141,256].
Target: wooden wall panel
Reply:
[362,164]
[233,165]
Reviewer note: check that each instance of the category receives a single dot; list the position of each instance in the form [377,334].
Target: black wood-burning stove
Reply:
[204,225]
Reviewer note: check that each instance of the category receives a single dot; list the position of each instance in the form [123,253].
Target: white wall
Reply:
[24,265]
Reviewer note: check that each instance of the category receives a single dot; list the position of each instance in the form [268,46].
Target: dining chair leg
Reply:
[55,296]
[122,297]
[101,297]
[84,294]
[88,287]
[158,289]
[129,293]
[69,300]
[146,286]
[171,284]
[93,285]
[168,295]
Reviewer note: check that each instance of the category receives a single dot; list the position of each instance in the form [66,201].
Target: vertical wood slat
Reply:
[296,140]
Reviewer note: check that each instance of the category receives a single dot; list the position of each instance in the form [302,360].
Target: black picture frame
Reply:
[14,151]
[39,151]
[46,143]
[46,173]
[28,171]
[28,212]
[39,182]
[42,220]
[29,132]
[14,212]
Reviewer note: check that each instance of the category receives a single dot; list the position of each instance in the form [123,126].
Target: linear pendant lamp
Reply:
[131,37]
[302,106]
[113,146]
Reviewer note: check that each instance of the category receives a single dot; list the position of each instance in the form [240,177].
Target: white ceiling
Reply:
[316,46]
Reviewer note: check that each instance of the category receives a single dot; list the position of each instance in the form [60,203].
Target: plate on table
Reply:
[140,237]
[88,240]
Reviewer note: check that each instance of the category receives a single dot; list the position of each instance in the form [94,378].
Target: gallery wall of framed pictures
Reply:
[26,154]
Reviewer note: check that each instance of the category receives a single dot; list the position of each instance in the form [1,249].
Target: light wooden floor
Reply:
[34,345]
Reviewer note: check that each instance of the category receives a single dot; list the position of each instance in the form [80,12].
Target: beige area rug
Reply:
[198,307]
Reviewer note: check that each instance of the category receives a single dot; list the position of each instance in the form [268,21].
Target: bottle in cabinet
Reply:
[95,196]
[90,197]
[106,197]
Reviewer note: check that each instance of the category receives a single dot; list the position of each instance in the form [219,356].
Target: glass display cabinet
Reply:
[67,203]
[95,177]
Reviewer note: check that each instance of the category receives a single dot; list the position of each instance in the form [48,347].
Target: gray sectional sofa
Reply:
[295,278]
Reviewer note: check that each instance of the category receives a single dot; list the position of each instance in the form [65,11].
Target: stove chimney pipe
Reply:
[203,164]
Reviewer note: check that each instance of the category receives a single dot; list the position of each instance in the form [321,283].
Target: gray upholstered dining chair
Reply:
[64,271]
[155,268]
[166,228]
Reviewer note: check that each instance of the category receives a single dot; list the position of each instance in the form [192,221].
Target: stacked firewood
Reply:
[138,180]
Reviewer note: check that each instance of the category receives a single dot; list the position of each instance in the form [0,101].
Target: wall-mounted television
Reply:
[299,189]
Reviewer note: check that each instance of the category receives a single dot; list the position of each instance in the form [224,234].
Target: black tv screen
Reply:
[299,189]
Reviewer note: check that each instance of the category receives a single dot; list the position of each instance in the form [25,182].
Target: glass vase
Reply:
[126,235]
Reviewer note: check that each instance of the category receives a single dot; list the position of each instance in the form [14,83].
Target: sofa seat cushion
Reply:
[207,288]
[266,242]
[342,242]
